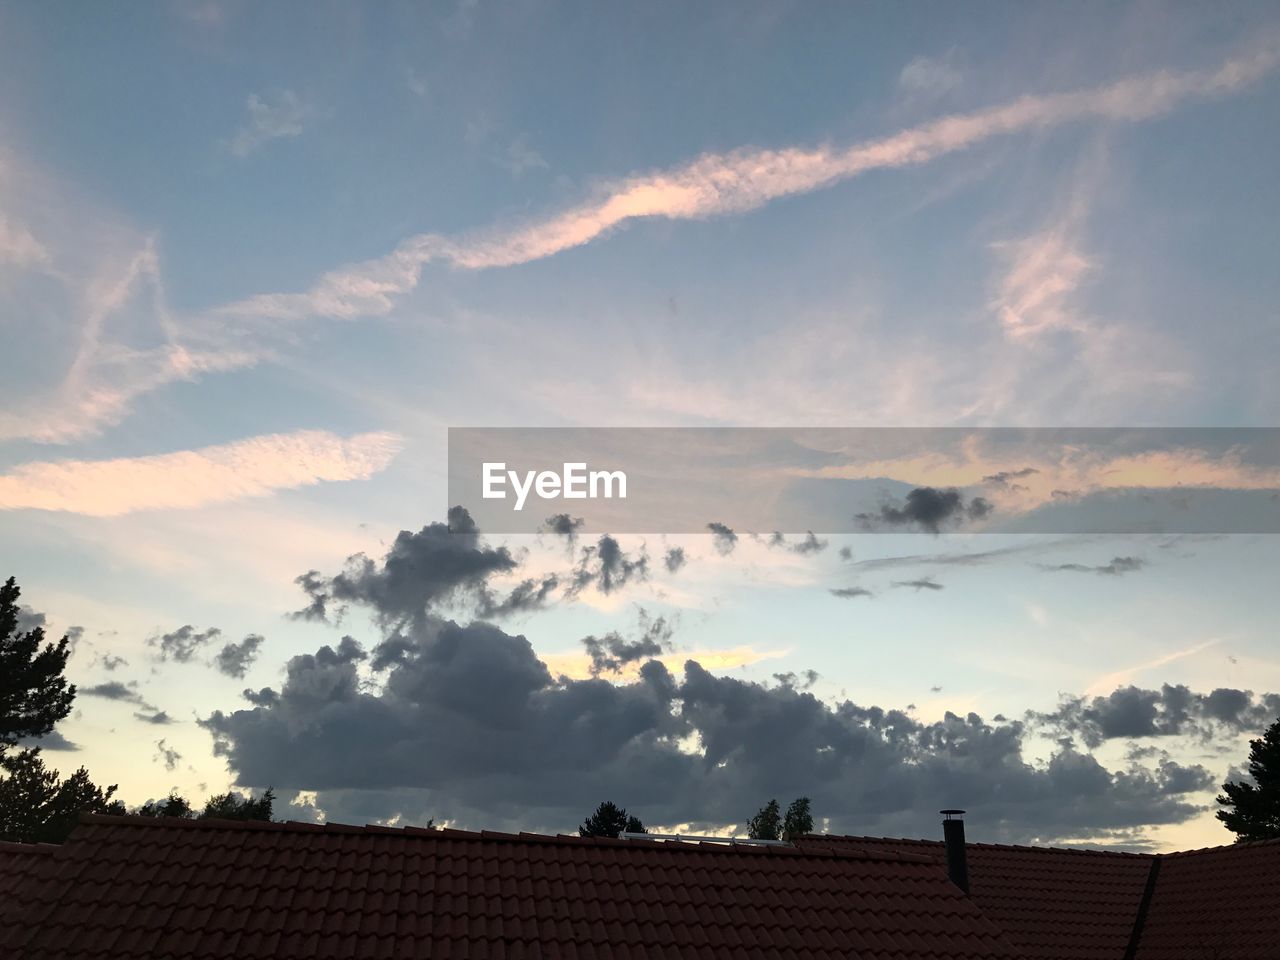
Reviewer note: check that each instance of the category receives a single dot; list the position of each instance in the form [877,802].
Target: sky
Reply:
[255,261]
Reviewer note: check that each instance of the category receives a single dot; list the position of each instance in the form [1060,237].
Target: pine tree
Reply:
[36,804]
[1252,810]
[34,695]
[609,820]
[767,823]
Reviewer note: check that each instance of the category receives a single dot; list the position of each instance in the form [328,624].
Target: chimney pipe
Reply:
[957,858]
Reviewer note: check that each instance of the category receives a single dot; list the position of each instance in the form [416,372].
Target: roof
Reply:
[19,864]
[133,887]
[1216,904]
[1054,904]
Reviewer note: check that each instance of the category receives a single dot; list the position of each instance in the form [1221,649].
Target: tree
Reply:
[798,820]
[34,695]
[770,824]
[171,806]
[767,823]
[36,804]
[234,806]
[1252,810]
[609,820]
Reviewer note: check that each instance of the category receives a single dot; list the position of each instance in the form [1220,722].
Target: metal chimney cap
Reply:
[951,813]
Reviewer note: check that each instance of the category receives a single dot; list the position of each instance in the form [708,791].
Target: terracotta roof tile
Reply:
[125,887]
[1053,904]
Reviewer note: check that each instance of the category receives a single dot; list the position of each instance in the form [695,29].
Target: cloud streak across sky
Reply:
[739,181]
[191,478]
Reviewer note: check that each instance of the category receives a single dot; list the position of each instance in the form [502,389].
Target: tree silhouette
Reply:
[767,823]
[36,804]
[34,695]
[798,820]
[609,820]
[234,806]
[171,806]
[770,824]
[1252,810]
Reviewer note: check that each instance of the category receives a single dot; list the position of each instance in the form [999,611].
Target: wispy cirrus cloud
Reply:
[191,478]
[723,183]
[270,118]
[108,375]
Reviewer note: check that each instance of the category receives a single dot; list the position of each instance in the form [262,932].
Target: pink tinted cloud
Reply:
[192,478]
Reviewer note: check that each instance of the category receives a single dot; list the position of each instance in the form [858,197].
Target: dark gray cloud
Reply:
[167,755]
[53,740]
[928,509]
[723,537]
[607,567]
[158,718]
[110,662]
[442,564]
[564,525]
[265,697]
[612,652]
[115,690]
[1130,712]
[29,619]
[182,644]
[1117,566]
[526,596]
[235,659]
[922,584]
[846,553]
[1005,478]
[809,543]
[674,559]
[849,593]
[468,723]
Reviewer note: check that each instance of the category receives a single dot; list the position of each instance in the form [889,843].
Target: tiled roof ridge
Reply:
[1221,848]
[939,844]
[14,846]
[448,833]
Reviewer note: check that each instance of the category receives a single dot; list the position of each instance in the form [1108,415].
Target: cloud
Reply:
[269,119]
[1117,566]
[850,593]
[18,247]
[1132,712]
[809,544]
[723,537]
[106,378]
[469,723]
[929,509]
[192,478]
[167,755]
[441,564]
[110,662]
[610,653]
[29,619]
[1004,477]
[1035,292]
[918,585]
[156,717]
[183,644]
[929,77]
[235,659]
[115,690]
[674,559]
[607,567]
[717,184]
[519,157]
[564,525]
[53,740]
